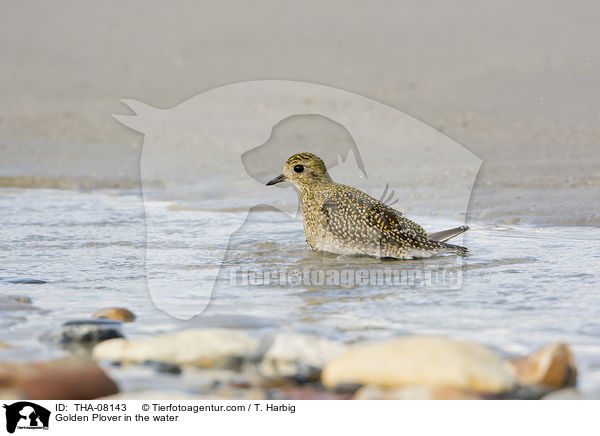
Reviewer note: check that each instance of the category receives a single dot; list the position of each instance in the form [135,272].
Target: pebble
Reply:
[17,304]
[208,379]
[65,379]
[25,281]
[294,355]
[199,347]
[420,360]
[115,313]
[552,366]
[163,367]
[85,333]
[20,299]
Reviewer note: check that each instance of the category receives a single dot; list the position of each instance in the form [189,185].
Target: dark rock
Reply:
[347,388]
[85,333]
[163,367]
[25,281]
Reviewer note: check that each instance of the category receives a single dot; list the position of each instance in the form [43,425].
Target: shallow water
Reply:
[520,288]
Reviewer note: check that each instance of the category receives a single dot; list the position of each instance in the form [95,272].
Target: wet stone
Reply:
[16,304]
[20,299]
[85,333]
[527,392]
[420,360]
[163,367]
[552,366]
[295,356]
[115,313]
[196,347]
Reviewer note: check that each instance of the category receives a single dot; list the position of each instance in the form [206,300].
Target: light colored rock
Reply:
[295,355]
[553,366]
[116,313]
[200,347]
[415,393]
[420,360]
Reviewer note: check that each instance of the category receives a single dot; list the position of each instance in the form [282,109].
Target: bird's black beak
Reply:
[280,178]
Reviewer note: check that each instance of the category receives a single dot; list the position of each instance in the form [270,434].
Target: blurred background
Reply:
[516,83]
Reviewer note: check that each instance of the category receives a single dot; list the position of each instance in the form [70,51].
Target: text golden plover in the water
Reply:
[343,220]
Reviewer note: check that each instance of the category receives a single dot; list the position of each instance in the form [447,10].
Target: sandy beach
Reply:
[514,83]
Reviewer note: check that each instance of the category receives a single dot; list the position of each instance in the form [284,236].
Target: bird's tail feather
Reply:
[458,249]
[446,235]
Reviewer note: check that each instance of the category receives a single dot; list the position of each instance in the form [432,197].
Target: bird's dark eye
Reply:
[299,168]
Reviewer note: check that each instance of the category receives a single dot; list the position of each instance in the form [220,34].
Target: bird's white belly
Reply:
[334,245]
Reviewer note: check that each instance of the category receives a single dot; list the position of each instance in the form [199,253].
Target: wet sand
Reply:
[514,83]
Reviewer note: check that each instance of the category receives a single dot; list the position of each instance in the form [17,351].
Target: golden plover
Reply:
[343,220]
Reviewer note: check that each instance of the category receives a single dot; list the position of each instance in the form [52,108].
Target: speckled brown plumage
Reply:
[343,220]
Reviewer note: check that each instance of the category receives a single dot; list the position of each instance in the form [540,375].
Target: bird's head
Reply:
[303,170]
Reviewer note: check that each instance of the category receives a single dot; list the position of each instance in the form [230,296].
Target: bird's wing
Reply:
[352,213]
[409,224]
